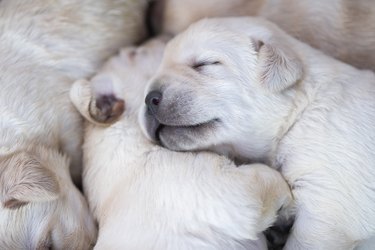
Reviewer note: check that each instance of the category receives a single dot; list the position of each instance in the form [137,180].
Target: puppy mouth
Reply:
[196,128]
[162,132]
[157,132]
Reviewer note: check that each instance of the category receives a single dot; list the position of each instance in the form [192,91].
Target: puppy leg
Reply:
[271,190]
[97,101]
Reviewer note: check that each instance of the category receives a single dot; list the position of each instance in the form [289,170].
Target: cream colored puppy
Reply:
[147,197]
[243,87]
[41,208]
[44,47]
[341,28]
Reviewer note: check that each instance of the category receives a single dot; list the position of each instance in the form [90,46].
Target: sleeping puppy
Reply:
[41,208]
[244,88]
[341,28]
[44,47]
[147,197]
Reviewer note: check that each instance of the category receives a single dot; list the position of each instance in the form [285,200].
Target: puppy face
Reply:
[221,87]
[41,208]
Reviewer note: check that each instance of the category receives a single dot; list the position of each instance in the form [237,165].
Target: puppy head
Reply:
[40,206]
[223,84]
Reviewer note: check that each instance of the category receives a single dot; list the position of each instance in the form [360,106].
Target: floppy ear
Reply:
[24,179]
[278,66]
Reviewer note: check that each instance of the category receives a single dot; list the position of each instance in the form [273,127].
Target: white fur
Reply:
[310,115]
[340,28]
[147,197]
[41,207]
[44,47]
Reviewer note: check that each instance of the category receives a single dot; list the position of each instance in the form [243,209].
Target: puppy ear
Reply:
[278,66]
[23,179]
[271,190]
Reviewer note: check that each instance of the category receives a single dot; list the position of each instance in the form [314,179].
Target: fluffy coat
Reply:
[147,197]
[243,87]
[44,47]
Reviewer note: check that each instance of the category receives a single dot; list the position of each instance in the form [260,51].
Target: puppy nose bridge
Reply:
[153,100]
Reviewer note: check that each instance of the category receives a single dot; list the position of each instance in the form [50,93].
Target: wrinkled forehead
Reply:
[203,39]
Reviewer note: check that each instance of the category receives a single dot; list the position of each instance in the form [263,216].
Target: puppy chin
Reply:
[178,138]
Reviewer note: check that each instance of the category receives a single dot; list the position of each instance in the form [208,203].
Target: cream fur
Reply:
[243,87]
[44,47]
[147,197]
[341,28]
[41,207]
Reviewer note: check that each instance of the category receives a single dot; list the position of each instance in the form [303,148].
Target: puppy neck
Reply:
[305,93]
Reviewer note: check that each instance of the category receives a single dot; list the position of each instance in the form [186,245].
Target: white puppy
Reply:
[147,197]
[243,87]
[341,28]
[41,208]
[44,47]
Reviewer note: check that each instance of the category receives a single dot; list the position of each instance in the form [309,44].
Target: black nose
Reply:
[153,100]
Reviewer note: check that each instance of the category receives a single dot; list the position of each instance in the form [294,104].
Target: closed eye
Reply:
[199,65]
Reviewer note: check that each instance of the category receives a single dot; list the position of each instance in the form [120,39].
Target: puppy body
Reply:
[340,28]
[44,48]
[147,197]
[244,87]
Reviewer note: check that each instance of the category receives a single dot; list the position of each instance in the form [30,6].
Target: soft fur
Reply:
[341,28]
[44,47]
[243,87]
[147,197]
[41,208]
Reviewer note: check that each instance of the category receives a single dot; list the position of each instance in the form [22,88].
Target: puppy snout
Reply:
[153,100]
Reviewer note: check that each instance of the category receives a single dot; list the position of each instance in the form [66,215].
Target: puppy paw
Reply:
[97,101]
[108,108]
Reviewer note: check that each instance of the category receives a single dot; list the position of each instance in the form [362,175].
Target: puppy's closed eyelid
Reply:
[199,65]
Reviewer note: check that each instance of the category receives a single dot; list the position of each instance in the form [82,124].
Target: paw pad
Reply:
[108,108]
